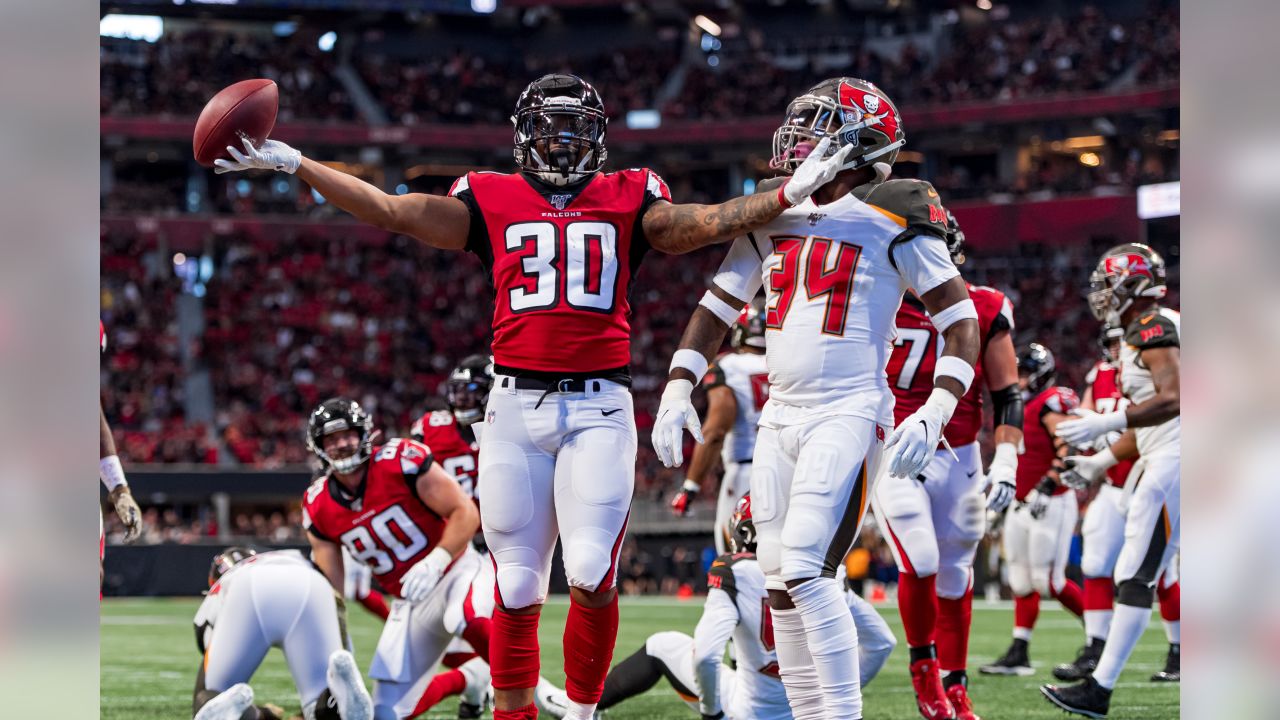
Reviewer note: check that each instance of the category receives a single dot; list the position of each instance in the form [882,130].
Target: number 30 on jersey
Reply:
[579,265]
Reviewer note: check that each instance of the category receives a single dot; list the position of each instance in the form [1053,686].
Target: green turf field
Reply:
[149,662]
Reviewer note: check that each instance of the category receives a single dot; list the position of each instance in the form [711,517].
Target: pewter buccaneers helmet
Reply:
[1123,274]
[564,108]
[854,111]
[749,329]
[742,527]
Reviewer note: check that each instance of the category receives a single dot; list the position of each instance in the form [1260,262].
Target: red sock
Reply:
[456,659]
[1099,593]
[954,617]
[376,604]
[442,686]
[528,712]
[1025,611]
[477,634]
[918,605]
[513,651]
[1170,602]
[1071,598]
[589,636]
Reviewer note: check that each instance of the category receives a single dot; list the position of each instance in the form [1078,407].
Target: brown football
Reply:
[247,108]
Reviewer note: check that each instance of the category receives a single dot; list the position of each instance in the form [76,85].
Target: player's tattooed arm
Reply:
[677,229]
[962,338]
[1165,366]
[327,556]
[441,222]
[704,333]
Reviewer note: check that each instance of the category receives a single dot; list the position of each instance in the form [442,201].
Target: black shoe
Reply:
[467,711]
[1083,665]
[1086,698]
[1172,671]
[1013,662]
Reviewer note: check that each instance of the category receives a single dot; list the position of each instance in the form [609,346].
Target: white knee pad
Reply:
[1041,580]
[1020,579]
[817,510]
[519,582]
[953,580]
[906,514]
[588,558]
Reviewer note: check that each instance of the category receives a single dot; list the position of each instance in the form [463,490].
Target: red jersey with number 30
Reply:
[1035,463]
[385,525]
[561,262]
[915,353]
[1104,384]
[459,457]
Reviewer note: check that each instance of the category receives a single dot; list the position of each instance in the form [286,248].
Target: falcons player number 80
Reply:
[359,541]
[591,265]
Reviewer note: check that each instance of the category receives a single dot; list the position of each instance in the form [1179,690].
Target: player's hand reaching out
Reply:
[675,413]
[913,442]
[1002,477]
[1081,471]
[128,512]
[816,170]
[680,503]
[1087,425]
[422,578]
[273,155]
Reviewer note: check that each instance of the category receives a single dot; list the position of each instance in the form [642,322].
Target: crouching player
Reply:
[274,599]
[736,608]
[395,509]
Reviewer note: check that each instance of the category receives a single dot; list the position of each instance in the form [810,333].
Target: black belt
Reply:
[566,385]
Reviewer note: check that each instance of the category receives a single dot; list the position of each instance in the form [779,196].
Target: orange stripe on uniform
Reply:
[902,222]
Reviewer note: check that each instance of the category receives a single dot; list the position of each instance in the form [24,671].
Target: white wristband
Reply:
[1117,421]
[946,401]
[439,558]
[953,367]
[111,473]
[963,310]
[1006,454]
[1106,458]
[690,360]
[721,309]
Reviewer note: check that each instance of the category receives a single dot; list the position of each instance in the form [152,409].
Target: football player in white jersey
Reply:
[834,268]
[1125,290]
[257,601]
[737,385]
[736,609]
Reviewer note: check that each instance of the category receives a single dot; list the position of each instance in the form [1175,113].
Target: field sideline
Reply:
[149,660]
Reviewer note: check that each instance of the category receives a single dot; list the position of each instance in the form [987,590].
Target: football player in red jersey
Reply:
[395,509]
[1037,533]
[561,240]
[451,434]
[111,473]
[934,525]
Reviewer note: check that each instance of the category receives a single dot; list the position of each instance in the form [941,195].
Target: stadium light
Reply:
[484,7]
[643,119]
[984,4]
[147,28]
[707,24]
[1090,159]
[327,41]
[1159,200]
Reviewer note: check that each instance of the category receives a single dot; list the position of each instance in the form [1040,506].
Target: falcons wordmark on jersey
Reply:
[385,525]
[561,265]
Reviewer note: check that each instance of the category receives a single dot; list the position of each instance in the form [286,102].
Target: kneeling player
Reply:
[396,510]
[275,599]
[736,608]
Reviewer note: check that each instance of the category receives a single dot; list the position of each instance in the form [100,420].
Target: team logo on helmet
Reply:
[872,115]
[1132,264]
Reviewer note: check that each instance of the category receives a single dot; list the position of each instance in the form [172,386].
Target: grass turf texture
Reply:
[149,662]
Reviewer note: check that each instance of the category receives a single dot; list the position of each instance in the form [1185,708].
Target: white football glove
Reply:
[912,444]
[419,580]
[1037,504]
[675,413]
[1087,425]
[816,170]
[1002,477]
[128,512]
[1084,470]
[1102,442]
[273,155]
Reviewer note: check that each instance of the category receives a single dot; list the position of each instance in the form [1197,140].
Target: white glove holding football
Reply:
[675,413]
[273,155]
[816,170]
[912,444]
[422,578]
[1087,425]
[1002,477]
[1084,470]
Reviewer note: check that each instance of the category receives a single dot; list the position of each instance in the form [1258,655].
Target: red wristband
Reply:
[782,198]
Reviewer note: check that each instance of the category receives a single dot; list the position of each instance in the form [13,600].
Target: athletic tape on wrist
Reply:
[944,399]
[111,473]
[953,367]
[963,310]
[721,309]
[690,360]
[1006,454]
[439,558]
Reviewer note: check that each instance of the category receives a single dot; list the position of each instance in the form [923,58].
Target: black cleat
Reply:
[467,711]
[1086,698]
[1083,665]
[1013,662]
[1172,671]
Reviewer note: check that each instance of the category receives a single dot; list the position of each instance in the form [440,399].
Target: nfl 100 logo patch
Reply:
[560,201]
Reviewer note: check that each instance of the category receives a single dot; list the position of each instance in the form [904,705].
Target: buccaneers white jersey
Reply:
[834,276]
[758,691]
[1159,328]
[748,377]
[207,614]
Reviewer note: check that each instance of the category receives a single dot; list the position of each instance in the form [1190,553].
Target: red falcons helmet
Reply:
[742,529]
[1124,274]
[749,330]
[853,111]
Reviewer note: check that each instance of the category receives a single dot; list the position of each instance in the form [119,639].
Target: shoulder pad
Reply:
[315,489]
[413,456]
[911,204]
[721,576]
[769,185]
[1152,330]
[1062,400]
